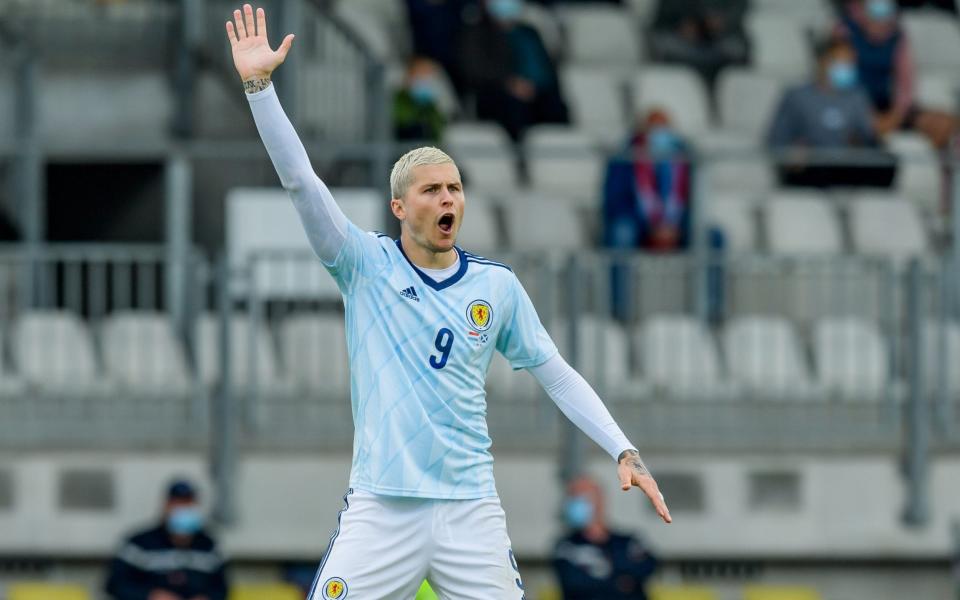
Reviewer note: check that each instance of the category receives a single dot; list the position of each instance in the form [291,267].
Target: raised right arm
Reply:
[324,222]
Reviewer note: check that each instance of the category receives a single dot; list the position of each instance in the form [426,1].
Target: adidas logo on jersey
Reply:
[410,294]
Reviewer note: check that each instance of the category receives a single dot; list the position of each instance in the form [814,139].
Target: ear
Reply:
[397,208]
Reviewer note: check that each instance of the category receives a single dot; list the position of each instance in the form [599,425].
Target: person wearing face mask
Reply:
[887,71]
[591,561]
[416,112]
[824,131]
[174,560]
[507,70]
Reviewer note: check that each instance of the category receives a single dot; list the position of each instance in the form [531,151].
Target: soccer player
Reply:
[423,318]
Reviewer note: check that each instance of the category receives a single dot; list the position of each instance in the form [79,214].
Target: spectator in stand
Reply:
[646,195]
[887,71]
[706,35]
[508,71]
[416,114]
[174,560]
[822,120]
[435,26]
[646,192]
[592,562]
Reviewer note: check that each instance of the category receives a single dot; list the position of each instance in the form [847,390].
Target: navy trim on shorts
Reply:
[333,538]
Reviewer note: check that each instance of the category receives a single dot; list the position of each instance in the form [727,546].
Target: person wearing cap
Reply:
[591,561]
[174,560]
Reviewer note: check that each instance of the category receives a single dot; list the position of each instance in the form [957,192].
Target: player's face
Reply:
[432,208]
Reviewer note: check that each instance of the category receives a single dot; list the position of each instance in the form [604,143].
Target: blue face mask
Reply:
[423,91]
[184,520]
[880,10]
[505,10]
[843,75]
[577,512]
[661,141]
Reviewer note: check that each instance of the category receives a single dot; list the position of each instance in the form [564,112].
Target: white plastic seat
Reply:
[369,27]
[603,356]
[851,358]
[802,223]
[936,91]
[679,357]
[732,215]
[747,100]
[563,161]
[919,178]
[935,40]
[542,224]
[677,90]
[54,350]
[480,232]
[739,174]
[602,35]
[314,350]
[142,354]
[484,153]
[816,15]
[596,99]
[889,227]
[207,349]
[764,355]
[779,46]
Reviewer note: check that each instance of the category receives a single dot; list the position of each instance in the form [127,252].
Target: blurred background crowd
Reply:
[735,217]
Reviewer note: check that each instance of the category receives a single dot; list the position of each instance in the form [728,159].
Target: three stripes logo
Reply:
[410,294]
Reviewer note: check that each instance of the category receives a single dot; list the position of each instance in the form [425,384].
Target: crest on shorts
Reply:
[335,589]
[479,315]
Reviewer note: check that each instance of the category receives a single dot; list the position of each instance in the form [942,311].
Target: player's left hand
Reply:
[633,472]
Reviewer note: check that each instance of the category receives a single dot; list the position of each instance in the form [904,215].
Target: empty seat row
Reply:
[762,357]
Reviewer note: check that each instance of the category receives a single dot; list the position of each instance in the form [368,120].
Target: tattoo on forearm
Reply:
[631,458]
[252,86]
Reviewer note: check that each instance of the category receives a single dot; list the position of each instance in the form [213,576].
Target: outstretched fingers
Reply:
[248,20]
[238,22]
[285,47]
[261,22]
[231,33]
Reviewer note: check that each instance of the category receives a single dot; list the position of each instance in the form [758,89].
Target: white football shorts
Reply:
[385,546]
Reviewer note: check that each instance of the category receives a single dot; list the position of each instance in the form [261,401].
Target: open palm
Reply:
[252,55]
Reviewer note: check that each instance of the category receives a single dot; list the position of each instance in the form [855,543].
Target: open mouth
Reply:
[446,223]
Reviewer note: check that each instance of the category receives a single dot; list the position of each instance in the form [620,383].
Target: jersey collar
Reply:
[432,282]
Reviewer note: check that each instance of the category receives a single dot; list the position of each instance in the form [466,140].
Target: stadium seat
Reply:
[942,353]
[643,10]
[679,91]
[815,15]
[602,35]
[936,91]
[747,100]
[331,113]
[679,356]
[802,223]
[779,592]
[741,172]
[484,154]
[542,224]
[887,226]
[374,33]
[733,216]
[142,353]
[564,162]
[264,591]
[207,353]
[482,233]
[596,98]
[779,46]
[314,351]
[935,40]
[851,357]
[764,355]
[46,591]
[53,351]
[603,356]
[681,592]
[547,24]
[919,178]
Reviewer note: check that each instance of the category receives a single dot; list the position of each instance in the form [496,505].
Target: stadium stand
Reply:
[779,45]
[679,91]
[485,155]
[747,99]
[314,353]
[733,215]
[887,226]
[852,358]
[601,36]
[143,355]
[596,97]
[562,162]
[802,223]
[268,380]
[764,355]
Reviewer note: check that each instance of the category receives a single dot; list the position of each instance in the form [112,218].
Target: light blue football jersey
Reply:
[419,352]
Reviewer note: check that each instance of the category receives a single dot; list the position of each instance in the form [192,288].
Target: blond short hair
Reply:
[401,177]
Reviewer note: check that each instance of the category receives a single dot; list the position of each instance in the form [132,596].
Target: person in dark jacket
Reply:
[592,562]
[175,560]
[507,70]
